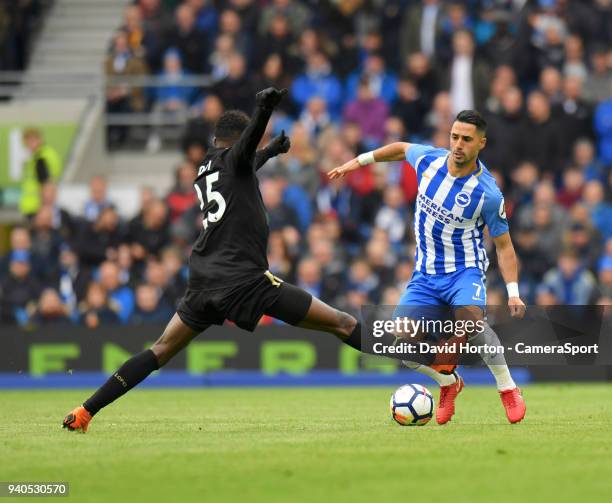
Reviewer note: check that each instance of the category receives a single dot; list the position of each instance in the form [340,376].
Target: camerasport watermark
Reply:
[464,348]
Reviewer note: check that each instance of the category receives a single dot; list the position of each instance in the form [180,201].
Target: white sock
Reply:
[495,361]
[441,379]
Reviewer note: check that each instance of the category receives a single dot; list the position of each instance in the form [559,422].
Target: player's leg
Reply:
[418,301]
[299,308]
[423,298]
[470,299]
[174,338]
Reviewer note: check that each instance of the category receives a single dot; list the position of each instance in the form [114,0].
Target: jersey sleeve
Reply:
[243,151]
[494,214]
[416,151]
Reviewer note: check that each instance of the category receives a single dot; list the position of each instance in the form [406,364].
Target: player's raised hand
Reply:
[279,144]
[270,97]
[517,307]
[347,167]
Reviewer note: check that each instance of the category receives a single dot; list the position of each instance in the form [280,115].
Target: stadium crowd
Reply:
[360,74]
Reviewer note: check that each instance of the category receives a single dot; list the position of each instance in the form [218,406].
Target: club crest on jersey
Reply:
[462,199]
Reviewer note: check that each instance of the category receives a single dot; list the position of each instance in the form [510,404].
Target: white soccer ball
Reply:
[412,405]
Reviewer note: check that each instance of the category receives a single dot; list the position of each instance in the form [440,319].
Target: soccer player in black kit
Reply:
[228,268]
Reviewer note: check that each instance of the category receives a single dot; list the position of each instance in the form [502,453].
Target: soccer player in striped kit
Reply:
[457,196]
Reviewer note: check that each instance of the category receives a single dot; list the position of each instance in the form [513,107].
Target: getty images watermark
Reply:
[546,335]
[407,328]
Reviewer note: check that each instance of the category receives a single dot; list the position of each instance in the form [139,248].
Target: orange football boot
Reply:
[77,420]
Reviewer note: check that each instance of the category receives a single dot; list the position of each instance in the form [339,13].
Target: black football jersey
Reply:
[232,245]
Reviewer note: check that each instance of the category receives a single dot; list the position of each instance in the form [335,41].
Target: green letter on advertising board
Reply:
[46,358]
[294,357]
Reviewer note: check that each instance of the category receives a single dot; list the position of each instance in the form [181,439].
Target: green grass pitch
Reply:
[302,444]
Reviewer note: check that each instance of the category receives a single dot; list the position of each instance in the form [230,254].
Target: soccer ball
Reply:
[412,405]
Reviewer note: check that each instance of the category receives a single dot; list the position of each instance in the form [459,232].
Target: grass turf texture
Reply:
[319,445]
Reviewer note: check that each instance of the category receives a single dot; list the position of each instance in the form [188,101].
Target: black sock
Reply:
[365,344]
[354,340]
[129,375]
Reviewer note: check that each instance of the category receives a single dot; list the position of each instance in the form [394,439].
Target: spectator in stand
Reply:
[382,84]
[279,214]
[99,240]
[574,64]
[20,239]
[19,289]
[277,41]
[503,132]
[274,74]
[318,80]
[44,165]
[50,310]
[62,221]
[422,28]
[205,14]
[600,210]
[370,113]
[551,84]
[230,24]
[182,196]
[586,242]
[539,138]
[409,107]
[603,128]
[154,16]
[200,129]
[570,282]
[315,117]
[585,160]
[97,310]
[121,295]
[466,76]
[297,14]
[121,97]
[576,116]
[98,198]
[236,91]
[571,189]
[142,41]
[188,39]
[309,277]
[152,233]
[598,84]
[393,216]
[151,307]
[173,97]
[46,241]
[419,70]
[172,260]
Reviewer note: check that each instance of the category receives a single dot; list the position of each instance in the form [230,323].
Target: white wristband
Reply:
[513,290]
[365,159]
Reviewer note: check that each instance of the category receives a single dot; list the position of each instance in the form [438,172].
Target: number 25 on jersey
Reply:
[211,196]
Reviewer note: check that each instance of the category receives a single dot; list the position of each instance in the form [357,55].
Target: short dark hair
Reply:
[472,117]
[231,125]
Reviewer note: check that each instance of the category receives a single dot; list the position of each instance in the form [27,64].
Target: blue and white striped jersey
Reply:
[451,213]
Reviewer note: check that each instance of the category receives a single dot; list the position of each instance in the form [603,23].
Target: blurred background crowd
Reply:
[360,74]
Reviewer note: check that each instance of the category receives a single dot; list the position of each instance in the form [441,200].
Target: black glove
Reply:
[279,145]
[269,98]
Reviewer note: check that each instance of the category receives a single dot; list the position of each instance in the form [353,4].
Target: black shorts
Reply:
[244,304]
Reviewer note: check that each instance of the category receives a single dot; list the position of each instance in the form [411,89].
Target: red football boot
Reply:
[446,404]
[514,404]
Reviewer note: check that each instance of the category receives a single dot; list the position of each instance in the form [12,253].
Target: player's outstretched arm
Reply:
[506,258]
[278,145]
[266,100]
[392,152]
